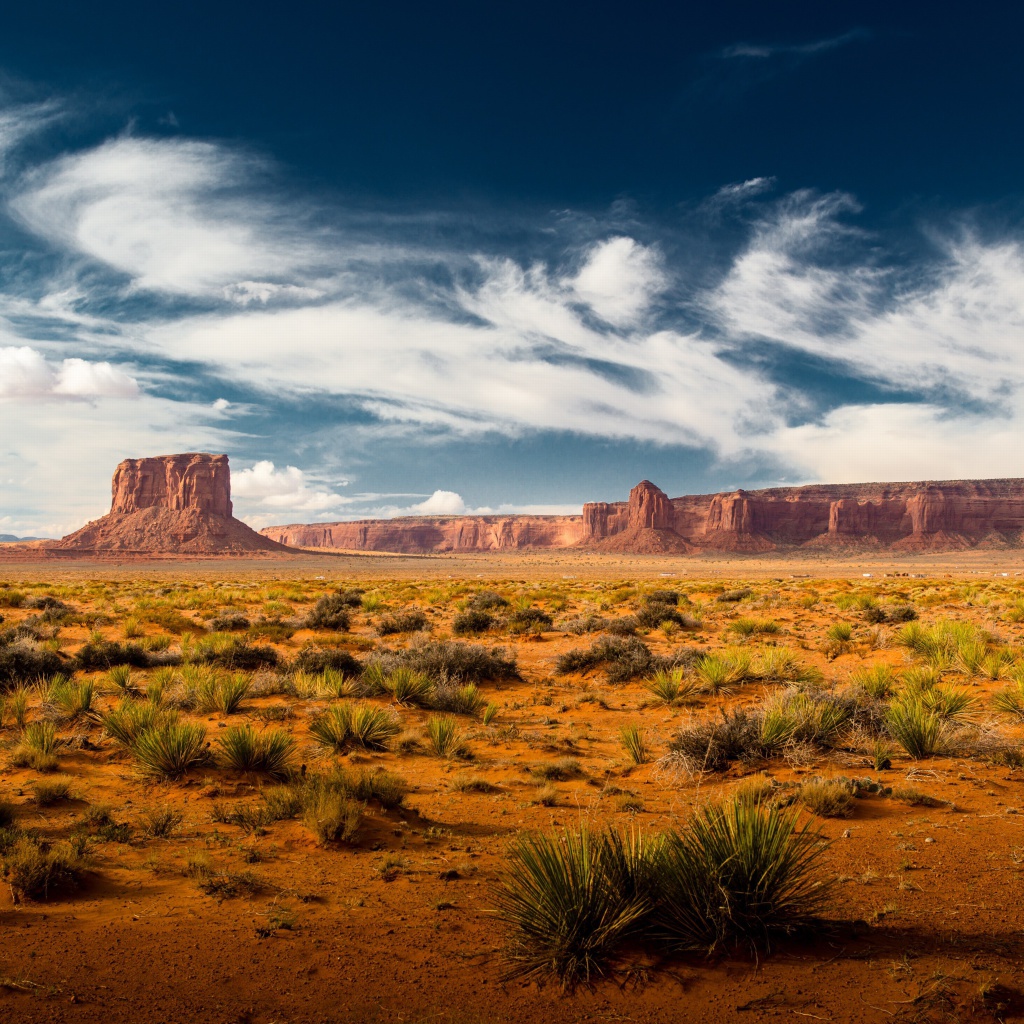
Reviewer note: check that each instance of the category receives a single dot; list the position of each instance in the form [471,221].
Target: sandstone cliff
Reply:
[927,516]
[171,504]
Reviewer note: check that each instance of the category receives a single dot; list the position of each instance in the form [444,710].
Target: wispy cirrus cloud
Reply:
[764,51]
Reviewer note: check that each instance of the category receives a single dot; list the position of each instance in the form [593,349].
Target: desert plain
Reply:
[512,695]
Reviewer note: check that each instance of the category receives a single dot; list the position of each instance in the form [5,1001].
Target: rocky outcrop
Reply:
[927,516]
[171,504]
[417,535]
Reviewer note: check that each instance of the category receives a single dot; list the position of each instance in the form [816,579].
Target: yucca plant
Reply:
[170,750]
[568,916]
[1010,699]
[246,750]
[490,713]
[738,875]
[878,681]
[372,727]
[225,695]
[373,679]
[634,742]
[721,673]
[778,664]
[670,687]
[334,683]
[971,655]
[746,626]
[131,718]
[920,679]
[916,728]
[120,678]
[444,736]
[408,687]
[839,632]
[17,705]
[333,728]
[950,703]
[66,701]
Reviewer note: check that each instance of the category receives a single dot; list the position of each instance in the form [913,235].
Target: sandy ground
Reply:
[926,922]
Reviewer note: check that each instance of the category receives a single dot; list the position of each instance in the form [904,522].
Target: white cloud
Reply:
[619,279]
[264,486]
[440,503]
[26,374]
[169,214]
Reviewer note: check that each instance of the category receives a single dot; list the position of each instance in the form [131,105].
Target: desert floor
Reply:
[226,921]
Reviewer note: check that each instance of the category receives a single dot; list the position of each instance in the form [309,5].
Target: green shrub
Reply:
[245,750]
[22,661]
[634,742]
[171,749]
[318,659]
[472,621]
[558,893]
[738,875]
[917,729]
[331,612]
[448,659]
[444,736]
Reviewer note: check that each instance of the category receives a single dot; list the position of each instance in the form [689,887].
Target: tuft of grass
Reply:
[268,752]
[159,822]
[558,771]
[746,626]
[634,742]
[331,816]
[408,687]
[37,871]
[671,687]
[131,718]
[120,678]
[878,682]
[66,701]
[567,916]
[170,750]
[444,737]
[1010,699]
[918,729]
[828,798]
[738,875]
[466,782]
[52,791]
[371,727]
[37,748]
[333,728]
[721,673]
[490,713]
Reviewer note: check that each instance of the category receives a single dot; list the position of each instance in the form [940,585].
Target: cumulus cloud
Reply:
[440,503]
[618,279]
[264,486]
[27,374]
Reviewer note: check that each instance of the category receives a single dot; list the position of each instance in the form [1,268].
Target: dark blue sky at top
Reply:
[564,103]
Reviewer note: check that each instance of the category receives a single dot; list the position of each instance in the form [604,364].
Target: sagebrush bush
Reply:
[37,870]
[332,612]
[409,621]
[316,660]
[472,620]
[447,659]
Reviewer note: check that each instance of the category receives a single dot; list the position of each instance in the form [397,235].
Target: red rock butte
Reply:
[924,516]
[170,504]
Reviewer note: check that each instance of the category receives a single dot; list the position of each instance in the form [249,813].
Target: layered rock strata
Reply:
[927,516]
[170,504]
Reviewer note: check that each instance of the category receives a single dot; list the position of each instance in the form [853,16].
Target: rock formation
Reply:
[929,516]
[171,504]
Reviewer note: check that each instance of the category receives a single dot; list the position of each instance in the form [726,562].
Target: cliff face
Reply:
[176,482]
[423,534]
[902,516]
[171,504]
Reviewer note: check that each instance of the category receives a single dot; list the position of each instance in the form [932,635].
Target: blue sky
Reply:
[403,258]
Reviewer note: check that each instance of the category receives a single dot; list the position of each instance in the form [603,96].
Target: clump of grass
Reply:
[778,664]
[828,798]
[331,816]
[738,875]
[466,782]
[746,626]
[52,791]
[878,682]
[721,673]
[65,701]
[460,700]
[1010,699]
[634,742]
[951,703]
[159,822]
[171,749]
[360,724]
[918,729]
[558,770]
[131,718]
[490,713]
[445,738]
[408,687]
[37,871]
[671,687]
[411,621]
[246,750]
[37,748]
[914,797]
[839,632]
[568,918]
[120,678]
